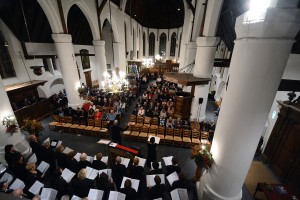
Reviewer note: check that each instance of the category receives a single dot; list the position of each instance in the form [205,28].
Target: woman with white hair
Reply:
[83,163]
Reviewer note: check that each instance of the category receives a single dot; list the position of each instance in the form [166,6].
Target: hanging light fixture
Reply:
[37,69]
[116,83]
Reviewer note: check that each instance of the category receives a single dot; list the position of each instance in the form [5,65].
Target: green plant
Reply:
[202,157]
[11,124]
[32,126]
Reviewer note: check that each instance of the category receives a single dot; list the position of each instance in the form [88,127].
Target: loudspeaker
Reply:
[200,100]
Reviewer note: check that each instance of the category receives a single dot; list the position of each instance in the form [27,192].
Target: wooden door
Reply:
[88,79]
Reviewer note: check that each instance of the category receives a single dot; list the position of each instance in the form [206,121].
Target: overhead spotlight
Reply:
[6,43]
[178,9]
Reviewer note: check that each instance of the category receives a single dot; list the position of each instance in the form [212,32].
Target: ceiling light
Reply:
[257,11]
[178,9]
[135,15]
[6,43]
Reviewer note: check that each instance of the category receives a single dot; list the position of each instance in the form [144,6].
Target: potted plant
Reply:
[11,124]
[81,91]
[32,126]
[203,159]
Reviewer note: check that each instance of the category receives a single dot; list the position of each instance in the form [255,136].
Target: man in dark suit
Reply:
[181,183]
[98,164]
[136,171]
[118,172]
[115,131]
[156,169]
[131,194]
[174,167]
[158,190]
[49,156]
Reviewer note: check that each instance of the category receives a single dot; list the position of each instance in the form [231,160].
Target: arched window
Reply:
[6,67]
[151,44]
[162,44]
[144,42]
[173,44]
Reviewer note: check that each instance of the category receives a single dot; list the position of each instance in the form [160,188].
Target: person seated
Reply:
[158,190]
[81,185]
[178,123]
[181,183]
[18,193]
[98,164]
[170,123]
[49,156]
[36,147]
[86,105]
[162,117]
[111,116]
[83,163]
[141,111]
[91,113]
[97,115]
[170,111]
[136,171]
[170,103]
[156,170]
[61,157]
[59,184]
[118,172]
[174,167]
[19,168]
[131,194]
[4,188]
[71,162]
[103,183]
[32,175]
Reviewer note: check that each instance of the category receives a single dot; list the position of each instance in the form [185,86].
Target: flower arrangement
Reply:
[202,157]
[11,124]
[81,91]
[32,126]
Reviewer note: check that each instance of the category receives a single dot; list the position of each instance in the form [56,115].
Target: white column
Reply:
[206,50]
[99,46]
[65,52]
[259,58]
[191,49]
[8,138]
[117,58]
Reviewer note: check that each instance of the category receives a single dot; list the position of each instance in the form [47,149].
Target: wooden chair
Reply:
[80,128]
[90,126]
[143,136]
[66,126]
[161,133]
[177,137]
[147,121]
[135,132]
[154,122]
[104,131]
[126,134]
[186,138]
[139,121]
[62,121]
[73,128]
[55,121]
[195,137]
[97,127]
[152,131]
[204,138]
[132,120]
[169,138]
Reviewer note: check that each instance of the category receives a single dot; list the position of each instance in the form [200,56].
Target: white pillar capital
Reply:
[99,43]
[192,45]
[207,41]
[62,38]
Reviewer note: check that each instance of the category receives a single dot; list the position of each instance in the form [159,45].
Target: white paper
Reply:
[36,187]
[67,175]
[59,142]
[74,197]
[116,196]
[157,139]
[43,167]
[159,166]
[48,194]
[2,168]
[27,152]
[47,140]
[134,183]
[168,160]
[90,159]
[125,161]
[142,161]
[106,171]
[17,184]
[53,143]
[67,150]
[158,199]
[32,159]
[102,141]
[20,147]
[112,144]
[91,173]
[77,157]
[6,178]
[150,179]
[104,159]
[95,194]
[172,177]
[179,194]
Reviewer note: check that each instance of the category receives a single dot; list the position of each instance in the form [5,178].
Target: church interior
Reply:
[148,99]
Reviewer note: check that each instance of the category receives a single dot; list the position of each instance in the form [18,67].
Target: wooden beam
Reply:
[99,10]
[289,85]
[62,17]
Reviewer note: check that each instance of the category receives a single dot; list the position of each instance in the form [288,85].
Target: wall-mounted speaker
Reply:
[200,100]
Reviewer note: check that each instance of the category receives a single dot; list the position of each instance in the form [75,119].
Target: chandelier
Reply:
[115,83]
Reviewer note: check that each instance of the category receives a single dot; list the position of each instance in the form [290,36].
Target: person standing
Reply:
[151,151]
[115,132]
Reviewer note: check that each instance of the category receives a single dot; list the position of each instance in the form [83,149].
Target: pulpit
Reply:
[183,102]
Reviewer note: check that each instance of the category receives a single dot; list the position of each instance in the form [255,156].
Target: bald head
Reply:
[118,159]
[136,161]
[17,192]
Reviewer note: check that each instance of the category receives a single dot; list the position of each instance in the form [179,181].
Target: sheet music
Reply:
[157,139]
[168,160]
[179,194]
[20,147]
[150,179]
[43,167]
[158,199]
[125,161]
[47,140]
[36,187]
[74,197]
[95,194]
[59,142]
[53,143]
[27,152]
[67,150]
[32,159]
[142,161]
[90,159]
[48,194]
[112,144]
[17,184]
[67,175]
[77,156]
[106,171]
[6,178]
[2,168]
[102,141]
[159,166]
[116,196]
[134,183]
[104,159]
[91,173]
[172,177]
